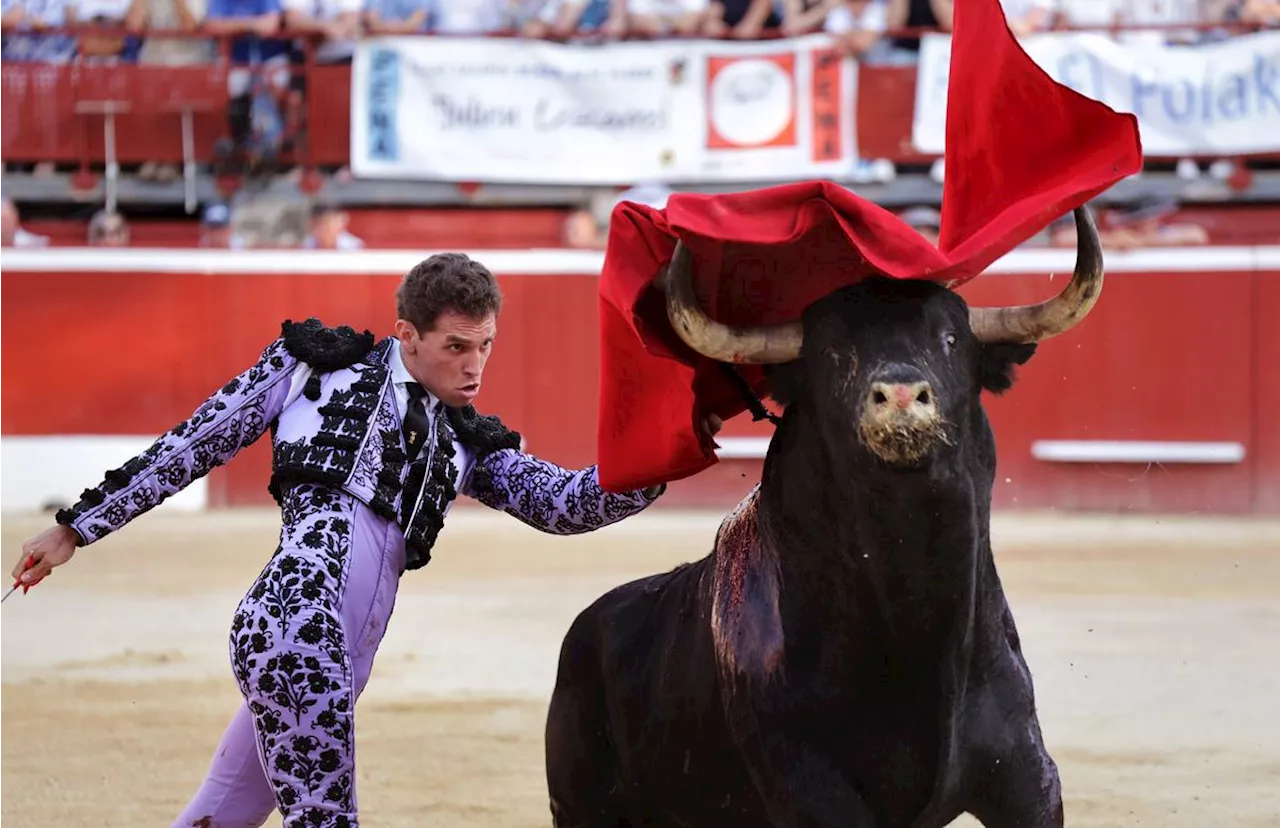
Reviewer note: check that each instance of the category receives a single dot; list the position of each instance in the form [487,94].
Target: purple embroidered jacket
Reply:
[327,396]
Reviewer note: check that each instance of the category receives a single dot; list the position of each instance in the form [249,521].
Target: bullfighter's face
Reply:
[449,359]
[893,372]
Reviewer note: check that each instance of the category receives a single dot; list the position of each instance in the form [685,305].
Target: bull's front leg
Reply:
[800,786]
[1020,789]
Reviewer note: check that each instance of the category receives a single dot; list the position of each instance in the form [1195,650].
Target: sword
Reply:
[31,559]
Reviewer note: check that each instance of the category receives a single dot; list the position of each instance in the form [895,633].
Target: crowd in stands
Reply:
[267,31]
[268,37]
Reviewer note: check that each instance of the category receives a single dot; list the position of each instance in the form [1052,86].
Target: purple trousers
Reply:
[302,646]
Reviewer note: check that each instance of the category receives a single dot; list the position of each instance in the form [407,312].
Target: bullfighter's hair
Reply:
[746,616]
[324,348]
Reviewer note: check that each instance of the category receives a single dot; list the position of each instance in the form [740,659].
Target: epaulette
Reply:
[482,433]
[323,348]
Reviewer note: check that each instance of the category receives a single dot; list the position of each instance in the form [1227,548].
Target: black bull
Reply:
[846,655]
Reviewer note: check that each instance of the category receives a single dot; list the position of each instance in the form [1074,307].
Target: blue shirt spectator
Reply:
[32,15]
[396,16]
[256,21]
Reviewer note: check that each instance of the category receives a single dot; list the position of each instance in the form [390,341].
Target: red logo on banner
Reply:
[751,101]
[827,100]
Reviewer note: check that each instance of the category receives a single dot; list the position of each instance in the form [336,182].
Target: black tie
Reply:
[417,427]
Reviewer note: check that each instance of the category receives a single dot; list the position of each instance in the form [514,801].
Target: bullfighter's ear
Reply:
[786,381]
[996,361]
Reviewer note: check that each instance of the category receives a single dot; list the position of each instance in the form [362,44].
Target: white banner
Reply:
[522,111]
[1221,98]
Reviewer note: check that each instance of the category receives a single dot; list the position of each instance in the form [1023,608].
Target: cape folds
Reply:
[1021,150]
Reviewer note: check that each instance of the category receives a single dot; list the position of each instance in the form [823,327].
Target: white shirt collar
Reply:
[400,375]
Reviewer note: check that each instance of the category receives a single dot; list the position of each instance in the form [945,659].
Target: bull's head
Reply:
[898,364]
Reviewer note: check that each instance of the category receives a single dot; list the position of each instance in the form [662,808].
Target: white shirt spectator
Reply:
[344,241]
[328,51]
[1095,13]
[87,11]
[466,16]
[25,238]
[172,51]
[1016,11]
[666,8]
[1159,13]
[871,16]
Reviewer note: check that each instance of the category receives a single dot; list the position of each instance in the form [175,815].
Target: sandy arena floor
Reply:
[1155,647]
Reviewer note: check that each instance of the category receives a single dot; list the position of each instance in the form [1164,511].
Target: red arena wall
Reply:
[1164,400]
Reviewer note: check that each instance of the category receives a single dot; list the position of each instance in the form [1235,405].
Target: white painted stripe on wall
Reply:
[554,261]
[36,471]
[1136,451]
[1061,451]
[742,448]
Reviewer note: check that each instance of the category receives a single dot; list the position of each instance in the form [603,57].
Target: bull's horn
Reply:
[763,344]
[1031,323]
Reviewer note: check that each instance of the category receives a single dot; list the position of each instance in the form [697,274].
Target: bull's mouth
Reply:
[903,443]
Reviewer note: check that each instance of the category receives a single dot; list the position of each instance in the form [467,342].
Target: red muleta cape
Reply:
[1021,150]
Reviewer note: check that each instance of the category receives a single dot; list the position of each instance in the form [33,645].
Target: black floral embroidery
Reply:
[547,497]
[323,348]
[483,433]
[232,418]
[430,487]
[330,455]
[290,657]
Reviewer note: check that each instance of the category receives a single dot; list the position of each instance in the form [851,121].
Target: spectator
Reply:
[561,19]
[858,27]
[656,18]
[588,228]
[1088,14]
[396,16]
[336,23]
[914,14]
[1164,13]
[804,16]
[108,229]
[11,228]
[183,15]
[215,228]
[22,16]
[466,17]
[329,230]
[926,221]
[108,14]
[746,19]
[1026,17]
[1262,12]
[1145,223]
[258,84]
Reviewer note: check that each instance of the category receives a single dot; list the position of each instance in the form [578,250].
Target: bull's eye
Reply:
[950,341]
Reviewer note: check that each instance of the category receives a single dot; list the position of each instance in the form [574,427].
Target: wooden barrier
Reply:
[1163,400]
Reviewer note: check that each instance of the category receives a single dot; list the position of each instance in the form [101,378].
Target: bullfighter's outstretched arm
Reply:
[548,498]
[231,418]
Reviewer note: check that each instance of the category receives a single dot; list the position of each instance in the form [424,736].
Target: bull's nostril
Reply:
[923,397]
[879,398]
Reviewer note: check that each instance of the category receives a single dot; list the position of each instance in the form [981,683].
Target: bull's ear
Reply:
[786,381]
[996,361]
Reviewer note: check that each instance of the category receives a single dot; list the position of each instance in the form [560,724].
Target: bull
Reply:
[845,656]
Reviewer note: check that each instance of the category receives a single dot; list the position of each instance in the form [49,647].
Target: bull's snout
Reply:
[900,396]
[901,422]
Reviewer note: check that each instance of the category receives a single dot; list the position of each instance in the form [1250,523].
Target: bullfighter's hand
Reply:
[52,547]
[710,427]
